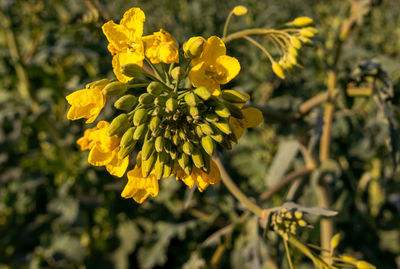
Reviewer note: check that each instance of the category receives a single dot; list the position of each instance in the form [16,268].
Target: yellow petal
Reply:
[252,117]
[213,48]
[124,58]
[237,126]
[133,20]
[85,142]
[204,179]
[229,66]
[86,103]
[198,77]
[240,10]
[118,35]
[117,167]
[139,187]
[98,157]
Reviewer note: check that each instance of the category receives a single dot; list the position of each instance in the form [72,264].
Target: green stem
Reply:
[228,19]
[253,31]
[254,42]
[155,70]
[288,254]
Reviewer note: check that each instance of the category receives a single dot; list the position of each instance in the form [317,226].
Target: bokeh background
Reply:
[57,211]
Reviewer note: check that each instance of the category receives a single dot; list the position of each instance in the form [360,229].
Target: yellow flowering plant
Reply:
[175,111]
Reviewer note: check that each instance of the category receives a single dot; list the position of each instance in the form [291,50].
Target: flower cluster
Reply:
[173,113]
[285,221]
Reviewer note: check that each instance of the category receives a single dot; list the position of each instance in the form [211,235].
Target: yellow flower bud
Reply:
[203,93]
[155,88]
[194,47]
[233,96]
[295,42]
[277,69]
[240,10]
[131,70]
[302,21]
[208,144]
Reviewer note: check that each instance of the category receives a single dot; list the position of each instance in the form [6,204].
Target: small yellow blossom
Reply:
[138,187]
[213,67]
[278,70]
[87,103]
[239,10]
[161,47]
[103,149]
[125,39]
[252,118]
[199,177]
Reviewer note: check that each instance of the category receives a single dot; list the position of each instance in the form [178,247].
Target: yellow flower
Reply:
[213,67]
[199,177]
[194,46]
[252,118]
[87,103]
[161,47]
[103,149]
[125,39]
[138,187]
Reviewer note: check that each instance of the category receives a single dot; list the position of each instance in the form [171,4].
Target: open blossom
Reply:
[161,47]
[125,39]
[213,67]
[103,149]
[138,187]
[87,103]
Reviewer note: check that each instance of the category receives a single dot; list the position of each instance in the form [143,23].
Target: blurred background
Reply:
[57,211]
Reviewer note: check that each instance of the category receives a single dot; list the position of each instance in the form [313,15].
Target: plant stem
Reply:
[288,254]
[236,191]
[228,19]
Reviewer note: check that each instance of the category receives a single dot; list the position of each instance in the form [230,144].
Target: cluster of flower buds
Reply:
[285,221]
[173,117]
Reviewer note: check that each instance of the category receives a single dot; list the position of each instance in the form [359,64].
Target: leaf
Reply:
[318,211]
[195,262]
[286,153]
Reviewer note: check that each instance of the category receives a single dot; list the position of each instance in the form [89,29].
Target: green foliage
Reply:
[58,212]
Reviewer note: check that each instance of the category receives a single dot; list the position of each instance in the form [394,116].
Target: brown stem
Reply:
[284,181]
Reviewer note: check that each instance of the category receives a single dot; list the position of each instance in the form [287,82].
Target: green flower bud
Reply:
[211,117]
[155,88]
[197,158]
[194,111]
[147,149]
[167,134]
[182,134]
[139,159]
[175,139]
[132,70]
[198,130]
[127,138]
[223,127]
[206,129]
[222,111]
[191,99]
[140,116]
[159,167]
[173,153]
[168,168]
[184,162]
[235,111]
[171,105]
[159,144]
[146,98]
[233,96]
[208,144]
[126,102]
[160,101]
[125,151]
[119,125]
[154,123]
[187,148]
[203,93]
[148,164]
[177,73]
[115,89]
[140,131]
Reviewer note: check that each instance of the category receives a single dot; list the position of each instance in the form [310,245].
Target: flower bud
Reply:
[206,129]
[154,123]
[203,93]
[277,69]
[208,144]
[155,88]
[177,73]
[194,47]
[295,42]
[168,167]
[223,127]
[125,151]
[147,149]
[194,111]
[98,83]
[187,148]
[171,105]
[119,125]
[140,116]
[191,99]
[160,101]
[302,21]
[211,117]
[197,158]
[146,98]
[140,131]
[132,70]
[222,111]
[126,102]
[115,89]
[127,138]
[159,143]
[159,167]
[235,111]
[148,164]
[233,96]
[239,10]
